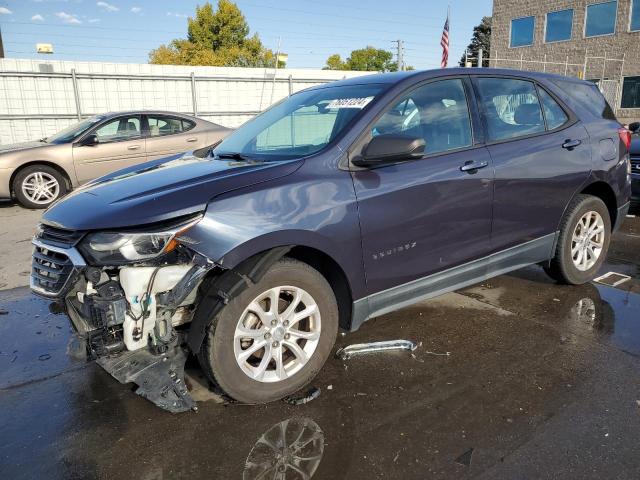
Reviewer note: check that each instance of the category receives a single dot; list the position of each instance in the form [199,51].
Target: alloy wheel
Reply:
[40,188]
[277,334]
[587,241]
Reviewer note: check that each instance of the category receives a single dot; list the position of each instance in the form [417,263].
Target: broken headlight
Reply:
[125,247]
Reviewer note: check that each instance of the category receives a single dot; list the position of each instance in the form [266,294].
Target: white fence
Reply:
[39,98]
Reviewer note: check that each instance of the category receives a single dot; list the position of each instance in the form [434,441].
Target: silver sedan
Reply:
[38,173]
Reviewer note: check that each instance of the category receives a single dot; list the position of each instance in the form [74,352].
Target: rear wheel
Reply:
[273,338]
[584,239]
[38,186]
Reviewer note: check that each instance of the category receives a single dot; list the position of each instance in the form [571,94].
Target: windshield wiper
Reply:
[236,156]
[43,140]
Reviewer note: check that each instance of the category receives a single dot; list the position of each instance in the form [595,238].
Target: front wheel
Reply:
[583,243]
[274,337]
[38,186]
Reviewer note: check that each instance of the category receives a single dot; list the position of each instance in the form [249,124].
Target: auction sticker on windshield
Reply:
[349,102]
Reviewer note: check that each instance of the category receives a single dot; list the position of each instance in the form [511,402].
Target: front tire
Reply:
[583,243]
[274,337]
[38,186]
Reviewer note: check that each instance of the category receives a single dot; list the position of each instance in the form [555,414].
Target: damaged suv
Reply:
[338,204]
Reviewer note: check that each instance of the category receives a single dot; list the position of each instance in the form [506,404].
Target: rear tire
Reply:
[585,233]
[38,186]
[248,323]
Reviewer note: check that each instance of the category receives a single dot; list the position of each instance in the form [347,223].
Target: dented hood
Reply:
[157,191]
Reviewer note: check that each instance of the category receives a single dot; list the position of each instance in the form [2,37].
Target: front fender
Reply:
[299,210]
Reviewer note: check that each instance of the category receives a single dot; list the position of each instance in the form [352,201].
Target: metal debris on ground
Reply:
[311,394]
[612,279]
[349,351]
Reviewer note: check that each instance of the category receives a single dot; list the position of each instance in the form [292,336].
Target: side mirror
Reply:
[89,140]
[390,148]
[634,127]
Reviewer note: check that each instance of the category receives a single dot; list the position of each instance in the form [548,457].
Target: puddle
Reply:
[620,319]
[34,341]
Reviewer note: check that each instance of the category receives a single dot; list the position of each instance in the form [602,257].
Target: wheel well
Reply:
[605,193]
[58,168]
[334,274]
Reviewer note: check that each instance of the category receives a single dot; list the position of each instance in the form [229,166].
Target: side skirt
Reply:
[498,263]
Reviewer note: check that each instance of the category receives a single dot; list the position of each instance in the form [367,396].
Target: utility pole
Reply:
[400,46]
[480,55]
[1,45]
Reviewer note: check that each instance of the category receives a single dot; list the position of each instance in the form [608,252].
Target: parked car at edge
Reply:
[38,173]
[340,203]
[635,167]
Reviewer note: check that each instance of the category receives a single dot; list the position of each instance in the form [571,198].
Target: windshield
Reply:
[300,125]
[72,132]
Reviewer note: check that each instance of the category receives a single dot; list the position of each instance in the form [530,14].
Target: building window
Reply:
[522,31]
[558,26]
[601,19]
[630,92]
[634,24]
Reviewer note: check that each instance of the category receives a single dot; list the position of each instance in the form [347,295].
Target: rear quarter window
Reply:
[588,97]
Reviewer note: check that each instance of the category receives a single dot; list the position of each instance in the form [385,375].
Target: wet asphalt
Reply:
[514,378]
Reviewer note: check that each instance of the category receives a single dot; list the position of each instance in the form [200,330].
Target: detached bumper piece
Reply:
[160,378]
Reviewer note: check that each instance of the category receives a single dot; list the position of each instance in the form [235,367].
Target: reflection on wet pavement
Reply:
[541,382]
[291,449]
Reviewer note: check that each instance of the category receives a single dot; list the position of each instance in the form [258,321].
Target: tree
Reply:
[481,39]
[215,37]
[365,59]
[334,62]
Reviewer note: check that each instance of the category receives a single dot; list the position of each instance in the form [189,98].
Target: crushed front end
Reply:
[130,296]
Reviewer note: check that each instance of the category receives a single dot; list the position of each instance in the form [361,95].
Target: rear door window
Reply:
[510,106]
[160,125]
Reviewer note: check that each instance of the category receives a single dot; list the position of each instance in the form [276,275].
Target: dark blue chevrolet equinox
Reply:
[338,204]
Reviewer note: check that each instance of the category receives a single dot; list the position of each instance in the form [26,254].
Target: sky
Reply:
[309,31]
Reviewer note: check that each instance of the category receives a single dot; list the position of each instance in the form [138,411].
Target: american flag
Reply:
[444,42]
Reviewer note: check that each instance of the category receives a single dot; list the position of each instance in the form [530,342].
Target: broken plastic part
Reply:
[160,378]
[347,352]
[311,394]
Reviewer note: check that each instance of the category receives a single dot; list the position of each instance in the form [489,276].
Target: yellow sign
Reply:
[44,48]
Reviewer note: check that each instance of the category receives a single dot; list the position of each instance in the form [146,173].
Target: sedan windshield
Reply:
[300,125]
[74,131]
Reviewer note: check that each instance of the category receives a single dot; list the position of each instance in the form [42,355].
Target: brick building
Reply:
[597,40]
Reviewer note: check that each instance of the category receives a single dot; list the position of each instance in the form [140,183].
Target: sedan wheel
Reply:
[41,188]
[38,186]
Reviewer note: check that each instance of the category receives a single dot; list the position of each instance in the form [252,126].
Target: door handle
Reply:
[192,139]
[133,147]
[471,166]
[571,144]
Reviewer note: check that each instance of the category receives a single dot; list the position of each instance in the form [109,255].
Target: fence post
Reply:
[604,65]
[194,95]
[290,85]
[566,65]
[76,93]
[544,63]
[584,67]
[521,61]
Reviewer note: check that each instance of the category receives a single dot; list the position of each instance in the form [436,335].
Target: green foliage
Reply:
[216,37]
[365,59]
[481,39]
